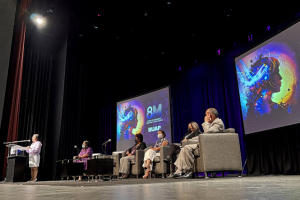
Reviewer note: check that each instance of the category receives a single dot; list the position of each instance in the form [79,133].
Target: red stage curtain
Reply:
[15,75]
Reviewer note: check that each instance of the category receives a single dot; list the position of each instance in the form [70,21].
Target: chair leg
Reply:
[214,174]
[240,174]
[206,177]
[196,174]
[137,176]
[223,174]
[163,175]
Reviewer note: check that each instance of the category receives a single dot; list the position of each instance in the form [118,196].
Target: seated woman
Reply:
[193,131]
[130,155]
[153,152]
[85,153]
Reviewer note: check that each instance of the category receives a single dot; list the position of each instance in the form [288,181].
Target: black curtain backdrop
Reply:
[74,115]
[274,151]
[35,99]
[210,84]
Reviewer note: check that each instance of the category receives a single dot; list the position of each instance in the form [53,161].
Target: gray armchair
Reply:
[218,152]
[159,166]
[136,167]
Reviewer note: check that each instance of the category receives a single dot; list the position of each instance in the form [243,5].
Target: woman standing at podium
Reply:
[34,151]
[85,153]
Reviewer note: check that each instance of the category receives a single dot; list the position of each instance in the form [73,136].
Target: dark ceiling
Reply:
[157,34]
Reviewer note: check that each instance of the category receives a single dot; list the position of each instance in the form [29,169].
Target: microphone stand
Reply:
[104,150]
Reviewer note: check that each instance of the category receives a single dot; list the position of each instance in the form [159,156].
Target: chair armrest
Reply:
[139,156]
[164,152]
[192,141]
[177,144]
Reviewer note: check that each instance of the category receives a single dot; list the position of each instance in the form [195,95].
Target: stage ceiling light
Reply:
[39,21]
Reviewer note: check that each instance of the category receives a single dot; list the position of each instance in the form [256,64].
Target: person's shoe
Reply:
[124,176]
[168,159]
[187,175]
[174,175]
[34,180]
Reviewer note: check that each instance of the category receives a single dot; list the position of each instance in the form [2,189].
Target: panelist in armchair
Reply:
[85,153]
[153,152]
[185,161]
[193,131]
[130,155]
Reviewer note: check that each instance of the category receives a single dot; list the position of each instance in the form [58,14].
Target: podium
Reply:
[15,168]
[16,162]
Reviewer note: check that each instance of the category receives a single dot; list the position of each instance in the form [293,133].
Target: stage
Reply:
[258,187]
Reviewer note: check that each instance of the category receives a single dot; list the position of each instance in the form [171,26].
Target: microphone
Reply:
[107,141]
[26,140]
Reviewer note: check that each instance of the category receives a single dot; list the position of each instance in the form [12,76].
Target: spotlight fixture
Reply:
[39,20]
[95,27]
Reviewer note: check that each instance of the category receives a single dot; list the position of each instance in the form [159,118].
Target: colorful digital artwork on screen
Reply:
[268,81]
[130,119]
[146,114]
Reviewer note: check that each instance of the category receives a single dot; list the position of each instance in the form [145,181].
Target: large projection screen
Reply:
[268,81]
[144,114]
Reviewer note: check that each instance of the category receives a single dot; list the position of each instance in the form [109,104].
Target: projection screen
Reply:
[146,114]
[268,82]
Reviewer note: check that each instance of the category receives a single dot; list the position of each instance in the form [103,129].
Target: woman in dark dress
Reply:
[130,155]
[193,131]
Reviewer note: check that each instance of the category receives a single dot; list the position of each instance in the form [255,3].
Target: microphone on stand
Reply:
[107,141]
[104,150]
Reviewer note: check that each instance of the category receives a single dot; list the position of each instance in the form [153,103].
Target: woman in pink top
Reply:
[84,155]
[34,151]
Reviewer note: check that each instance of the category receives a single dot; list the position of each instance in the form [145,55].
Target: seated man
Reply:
[185,161]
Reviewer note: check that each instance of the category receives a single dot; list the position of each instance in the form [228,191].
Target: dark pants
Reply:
[174,151]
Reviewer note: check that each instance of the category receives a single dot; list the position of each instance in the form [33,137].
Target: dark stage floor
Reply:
[260,187]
